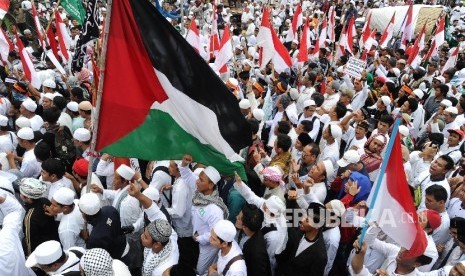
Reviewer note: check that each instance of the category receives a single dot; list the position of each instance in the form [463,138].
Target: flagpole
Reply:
[379,180]
[98,103]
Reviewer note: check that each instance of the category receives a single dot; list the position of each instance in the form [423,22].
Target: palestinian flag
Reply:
[161,100]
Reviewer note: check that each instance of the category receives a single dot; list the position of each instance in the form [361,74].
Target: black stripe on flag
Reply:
[172,55]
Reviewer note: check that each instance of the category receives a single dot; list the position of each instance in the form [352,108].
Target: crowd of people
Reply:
[319,137]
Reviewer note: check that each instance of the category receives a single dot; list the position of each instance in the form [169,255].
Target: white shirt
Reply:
[424,180]
[418,164]
[441,234]
[8,142]
[181,208]
[70,228]
[107,169]
[332,237]
[330,101]
[11,252]
[129,208]
[53,187]
[454,209]
[358,101]
[30,167]
[238,268]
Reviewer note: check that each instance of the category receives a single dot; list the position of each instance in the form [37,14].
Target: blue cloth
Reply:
[363,182]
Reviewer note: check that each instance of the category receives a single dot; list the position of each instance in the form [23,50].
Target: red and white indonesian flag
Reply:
[177,104]
[302,57]
[214,36]
[297,21]
[439,34]
[28,66]
[38,26]
[4,6]
[365,33]
[388,32]
[393,208]
[5,45]
[323,34]
[452,60]
[64,40]
[281,58]
[193,36]
[265,39]
[331,24]
[225,52]
[414,56]
[408,28]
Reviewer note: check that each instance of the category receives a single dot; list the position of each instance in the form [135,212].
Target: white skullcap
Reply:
[49,83]
[3,120]
[27,32]
[404,130]
[152,193]
[258,114]
[212,174]
[26,133]
[336,131]
[418,93]
[29,105]
[275,205]
[338,207]
[89,204]
[308,103]
[198,171]
[49,96]
[64,196]
[386,100]
[125,172]
[244,104]
[46,253]
[294,93]
[82,134]
[23,122]
[452,109]
[340,69]
[329,168]
[295,41]
[225,230]
[73,106]
[446,102]
[349,157]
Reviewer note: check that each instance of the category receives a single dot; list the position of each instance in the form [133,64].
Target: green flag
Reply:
[75,10]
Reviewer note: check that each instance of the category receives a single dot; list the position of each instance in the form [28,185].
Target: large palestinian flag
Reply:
[160,99]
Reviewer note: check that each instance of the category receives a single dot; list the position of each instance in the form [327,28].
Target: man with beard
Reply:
[418,76]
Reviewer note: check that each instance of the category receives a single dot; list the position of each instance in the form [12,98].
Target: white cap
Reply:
[329,168]
[198,171]
[440,78]
[23,122]
[308,103]
[64,196]
[49,83]
[244,104]
[404,130]
[258,114]
[225,230]
[418,93]
[26,133]
[452,109]
[30,105]
[294,93]
[213,174]
[89,204]
[73,106]
[446,102]
[349,157]
[3,120]
[336,131]
[125,172]
[295,41]
[340,69]
[49,96]
[82,134]
[386,100]
[338,207]
[44,254]
[152,193]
